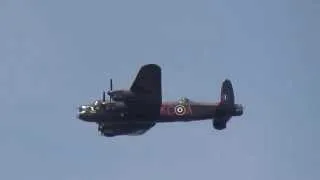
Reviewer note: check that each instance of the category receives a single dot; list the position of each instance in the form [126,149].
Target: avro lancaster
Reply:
[136,110]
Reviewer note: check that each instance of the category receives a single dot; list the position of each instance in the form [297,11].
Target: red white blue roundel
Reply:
[179,110]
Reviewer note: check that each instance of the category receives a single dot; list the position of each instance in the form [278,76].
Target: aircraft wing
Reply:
[148,92]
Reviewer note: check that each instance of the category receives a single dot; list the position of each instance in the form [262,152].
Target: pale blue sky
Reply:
[55,55]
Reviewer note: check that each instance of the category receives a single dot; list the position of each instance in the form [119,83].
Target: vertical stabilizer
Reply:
[227,107]
[227,94]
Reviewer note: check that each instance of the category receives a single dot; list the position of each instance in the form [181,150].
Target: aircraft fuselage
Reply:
[173,111]
[169,112]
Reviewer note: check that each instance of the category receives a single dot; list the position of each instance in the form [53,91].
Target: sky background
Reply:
[56,55]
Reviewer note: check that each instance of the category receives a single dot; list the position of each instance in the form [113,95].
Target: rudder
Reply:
[227,107]
[227,94]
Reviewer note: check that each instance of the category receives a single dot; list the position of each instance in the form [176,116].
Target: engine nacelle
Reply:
[121,95]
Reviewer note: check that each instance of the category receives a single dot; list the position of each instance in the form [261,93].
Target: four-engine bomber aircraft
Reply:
[138,109]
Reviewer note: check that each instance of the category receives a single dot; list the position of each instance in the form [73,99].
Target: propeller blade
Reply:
[111,87]
[111,84]
[104,96]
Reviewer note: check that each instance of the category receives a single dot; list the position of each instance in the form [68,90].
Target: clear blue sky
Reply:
[55,55]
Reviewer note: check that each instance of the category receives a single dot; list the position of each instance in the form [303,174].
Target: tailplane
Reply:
[227,107]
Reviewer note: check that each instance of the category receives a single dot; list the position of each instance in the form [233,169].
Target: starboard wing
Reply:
[148,91]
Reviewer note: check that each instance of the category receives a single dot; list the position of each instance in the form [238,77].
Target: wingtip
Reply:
[151,65]
[227,81]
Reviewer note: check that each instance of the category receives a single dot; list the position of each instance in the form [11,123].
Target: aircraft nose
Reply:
[80,114]
[81,108]
[84,117]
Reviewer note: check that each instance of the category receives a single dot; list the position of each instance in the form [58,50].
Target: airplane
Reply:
[136,110]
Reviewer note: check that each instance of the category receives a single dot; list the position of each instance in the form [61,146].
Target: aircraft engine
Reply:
[121,95]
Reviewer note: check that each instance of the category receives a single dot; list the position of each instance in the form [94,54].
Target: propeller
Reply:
[111,85]
[103,96]
[110,89]
[104,92]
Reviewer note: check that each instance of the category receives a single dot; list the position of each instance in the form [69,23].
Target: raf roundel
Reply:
[180,110]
